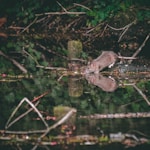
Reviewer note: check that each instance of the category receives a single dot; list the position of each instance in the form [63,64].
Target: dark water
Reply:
[89,100]
[80,147]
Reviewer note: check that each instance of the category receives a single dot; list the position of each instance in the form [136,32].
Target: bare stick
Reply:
[122,28]
[24,70]
[61,121]
[61,77]
[123,34]
[29,25]
[61,13]
[125,105]
[142,94]
[52,68]
[113,28]
[125,30]
[140,48]
[123,57]
[8,124]
[82,6]
[103,31]
[31,57]
[61,6]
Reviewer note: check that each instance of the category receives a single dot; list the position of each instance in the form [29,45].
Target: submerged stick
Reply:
[21,116]
[117,115]
[8,124]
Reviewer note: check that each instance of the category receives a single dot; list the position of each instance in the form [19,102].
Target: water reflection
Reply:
[107,84]
[83,131]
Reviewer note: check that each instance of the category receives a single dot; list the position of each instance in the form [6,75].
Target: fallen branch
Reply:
[61,13]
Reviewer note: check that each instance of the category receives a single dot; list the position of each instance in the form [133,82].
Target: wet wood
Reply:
[118,115]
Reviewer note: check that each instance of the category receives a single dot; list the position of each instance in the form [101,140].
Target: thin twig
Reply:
[140,48]
[142,94]
[29,25]
[40,96]
[61,77]
[23,69]
[123,57]
[125,30]
[104,30]
[125,105]
[122,28]
[52,68]
[31,57]
[78,59]
[61,6]
[82,6]
[123,34]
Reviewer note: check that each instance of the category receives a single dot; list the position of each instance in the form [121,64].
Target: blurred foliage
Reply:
[44,42]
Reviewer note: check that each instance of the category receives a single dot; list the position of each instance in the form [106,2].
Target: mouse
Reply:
[107,58]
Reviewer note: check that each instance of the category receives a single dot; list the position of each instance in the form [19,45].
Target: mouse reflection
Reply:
[107,84]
